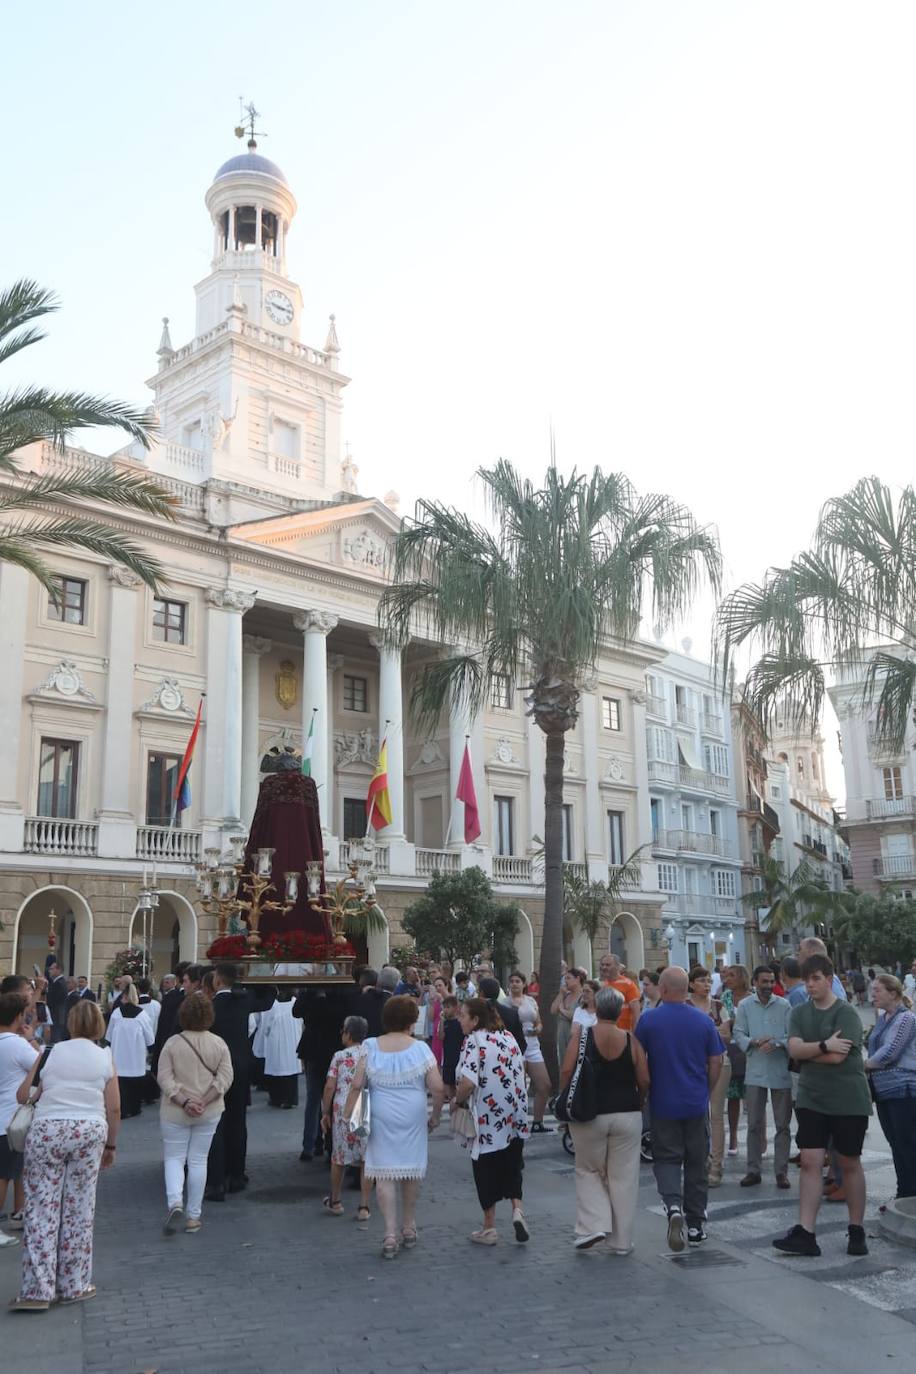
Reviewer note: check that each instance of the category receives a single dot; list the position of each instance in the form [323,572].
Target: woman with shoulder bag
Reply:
[607,1148]
[73,1134]
[195,1069]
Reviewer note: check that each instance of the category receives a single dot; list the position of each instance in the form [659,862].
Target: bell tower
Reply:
[246,401]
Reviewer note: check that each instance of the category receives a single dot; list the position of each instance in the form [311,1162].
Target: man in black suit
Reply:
[369,1000]
[231,1008]
[56,998]
[167,1024]
[489,991]
[83,988]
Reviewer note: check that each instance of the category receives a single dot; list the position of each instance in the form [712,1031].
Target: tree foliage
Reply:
[32,413]
[458,918]
[590,906]
[881,930]
[794,901]
[854,589]
[568,567]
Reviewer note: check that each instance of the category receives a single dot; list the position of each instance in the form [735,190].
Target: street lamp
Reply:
[670,933]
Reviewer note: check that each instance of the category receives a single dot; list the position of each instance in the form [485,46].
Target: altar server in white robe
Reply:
[279,1036]
[130,1035]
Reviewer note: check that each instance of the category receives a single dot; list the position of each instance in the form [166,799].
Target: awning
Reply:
[687,753]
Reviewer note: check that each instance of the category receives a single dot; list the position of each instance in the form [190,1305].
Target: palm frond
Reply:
[793,688]
[99,483]
[23,302]
[31,414]
[91,535]
[896,679]
[22,554]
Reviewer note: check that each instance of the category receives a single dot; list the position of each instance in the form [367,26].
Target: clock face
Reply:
[279,307]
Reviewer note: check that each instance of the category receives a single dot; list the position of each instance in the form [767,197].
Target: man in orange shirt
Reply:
[612,976]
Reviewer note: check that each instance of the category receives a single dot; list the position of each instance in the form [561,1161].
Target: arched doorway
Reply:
[172,935]
[73,929]
[625,939]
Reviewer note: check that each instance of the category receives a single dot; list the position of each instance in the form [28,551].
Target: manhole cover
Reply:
[704,1258]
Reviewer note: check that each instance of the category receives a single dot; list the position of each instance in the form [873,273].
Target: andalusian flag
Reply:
[378,802]
[182,795]
[307,751]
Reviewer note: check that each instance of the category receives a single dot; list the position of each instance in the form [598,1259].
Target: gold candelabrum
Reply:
[219,884]
[352,896]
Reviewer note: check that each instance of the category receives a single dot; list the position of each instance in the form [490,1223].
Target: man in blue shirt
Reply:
[685,1060]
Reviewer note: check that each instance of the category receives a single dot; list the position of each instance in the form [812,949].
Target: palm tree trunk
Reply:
[552,933]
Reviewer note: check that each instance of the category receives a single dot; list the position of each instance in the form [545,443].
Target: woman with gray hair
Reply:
[607,1148]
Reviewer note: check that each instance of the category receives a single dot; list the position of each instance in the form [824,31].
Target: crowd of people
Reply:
[658,1065]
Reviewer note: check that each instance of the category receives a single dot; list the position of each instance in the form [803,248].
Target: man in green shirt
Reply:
[832,1107]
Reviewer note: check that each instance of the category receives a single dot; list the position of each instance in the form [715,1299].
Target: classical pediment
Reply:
[356,537]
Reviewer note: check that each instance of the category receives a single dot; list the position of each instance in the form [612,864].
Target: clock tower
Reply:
[246,402]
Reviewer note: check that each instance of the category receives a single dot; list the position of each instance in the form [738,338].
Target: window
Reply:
[70,605]
[57,774]
[161,777]
[504,836]
[355,693]
[723,882]
[667,877]
[893,785]
[716,756]
[686,816]
[568,854]
[285,439]
[170,619]
[610,713]
[775,793]
[661,744]
[501,692]
[615,850]
[655,812]
[715,823]
[354,818]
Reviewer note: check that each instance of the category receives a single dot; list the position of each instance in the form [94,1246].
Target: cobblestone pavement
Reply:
[272,1283]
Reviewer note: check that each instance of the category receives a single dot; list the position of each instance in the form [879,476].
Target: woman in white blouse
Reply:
[585,1014]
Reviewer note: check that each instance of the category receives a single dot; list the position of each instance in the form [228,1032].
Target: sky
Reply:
[678,233]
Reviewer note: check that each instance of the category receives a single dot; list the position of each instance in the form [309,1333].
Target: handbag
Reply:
[361,1118]
[463,1126]
[577,1100]
[18,1128]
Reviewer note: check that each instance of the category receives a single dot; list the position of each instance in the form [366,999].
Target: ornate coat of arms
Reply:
[287,684]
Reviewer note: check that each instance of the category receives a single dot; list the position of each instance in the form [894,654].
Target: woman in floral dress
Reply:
[491,1080]
[347,1149]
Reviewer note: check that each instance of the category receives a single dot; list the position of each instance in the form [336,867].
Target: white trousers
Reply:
[607,1175]
[186,1145]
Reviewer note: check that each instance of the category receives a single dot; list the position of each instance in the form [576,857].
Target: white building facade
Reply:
[274,565]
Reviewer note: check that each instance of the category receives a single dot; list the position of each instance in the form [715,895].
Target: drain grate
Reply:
[704,1259]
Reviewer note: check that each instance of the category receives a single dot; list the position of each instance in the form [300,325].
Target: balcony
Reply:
[632,885]
[691,779]
[695,904]
[574,869]
[816,846]
[432,861]
[163,844]
[657,707]
[382,863]
[68,839]
[693,842]
[895,866]
[686,715]
[883,808]
[510,868]
[710,723]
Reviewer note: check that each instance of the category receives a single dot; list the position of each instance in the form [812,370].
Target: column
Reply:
[117,819]
[401,855]
[253,650]
[316,626]
[463,731]
[643,835]
[335,663]
[595,847]
[223,712]
[14,601]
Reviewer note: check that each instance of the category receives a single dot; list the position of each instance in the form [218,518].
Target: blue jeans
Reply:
[898,1122]
[314,1087]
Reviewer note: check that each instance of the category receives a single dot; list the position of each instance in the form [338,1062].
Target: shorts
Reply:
[818,1131]
[10,1160]
[735,1092]
[533,1053]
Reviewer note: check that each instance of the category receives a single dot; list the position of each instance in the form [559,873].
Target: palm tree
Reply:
[789,900]
[854,589]
[32,413]
[589,906]
[567,571]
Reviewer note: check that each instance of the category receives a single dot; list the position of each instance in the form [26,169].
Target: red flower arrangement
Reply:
[229,947]
[300,947]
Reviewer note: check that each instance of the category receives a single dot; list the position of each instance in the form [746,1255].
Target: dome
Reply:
[251,162]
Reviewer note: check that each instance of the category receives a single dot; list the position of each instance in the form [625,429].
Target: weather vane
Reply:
[247,116]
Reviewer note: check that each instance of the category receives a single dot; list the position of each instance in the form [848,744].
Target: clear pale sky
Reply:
[678,231]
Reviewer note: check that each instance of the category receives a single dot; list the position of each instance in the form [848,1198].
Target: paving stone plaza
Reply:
[271,1283]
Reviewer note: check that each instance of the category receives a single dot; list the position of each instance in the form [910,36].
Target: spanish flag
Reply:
[378,802]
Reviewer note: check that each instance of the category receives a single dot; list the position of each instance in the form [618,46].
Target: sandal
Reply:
[363,1214]
[86,1294]
[28,1305]
[332,1205]
[409,1237]
[390,1247]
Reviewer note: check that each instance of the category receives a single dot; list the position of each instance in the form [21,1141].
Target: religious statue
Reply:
[286,820]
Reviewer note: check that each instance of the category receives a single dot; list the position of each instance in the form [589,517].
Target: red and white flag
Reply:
[466,794]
